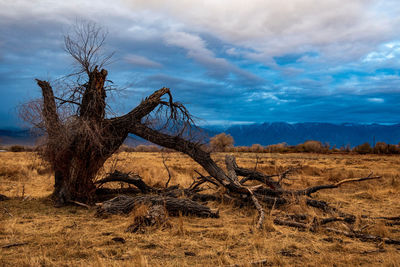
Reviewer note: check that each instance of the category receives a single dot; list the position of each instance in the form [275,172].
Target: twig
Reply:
[291,223]
[259,208]
[166,167]
[14,245]
[255,167]
[285,173]
[8,212]
[207,178]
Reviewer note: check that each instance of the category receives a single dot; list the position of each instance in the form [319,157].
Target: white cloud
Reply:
[376,100]
[141,61]
[386,52]
[337,29]
[197,49]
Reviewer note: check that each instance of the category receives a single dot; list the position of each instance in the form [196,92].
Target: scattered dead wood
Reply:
[268,193]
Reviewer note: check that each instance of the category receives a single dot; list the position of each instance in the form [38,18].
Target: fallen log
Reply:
[174,206]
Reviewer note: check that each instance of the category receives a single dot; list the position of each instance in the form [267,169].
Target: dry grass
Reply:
[72,236]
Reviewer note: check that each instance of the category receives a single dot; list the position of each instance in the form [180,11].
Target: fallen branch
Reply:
[309,191]
[364,237]
[166,167]
[298,225]
[14,245]
[118,176]
[259,209]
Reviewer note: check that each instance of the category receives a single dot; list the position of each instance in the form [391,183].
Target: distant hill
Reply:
[17,137]
[267,133]
[296,133]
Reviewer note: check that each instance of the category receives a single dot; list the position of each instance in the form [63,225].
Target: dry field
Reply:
[73,236]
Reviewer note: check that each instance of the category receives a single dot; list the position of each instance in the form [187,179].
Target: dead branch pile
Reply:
[269,192]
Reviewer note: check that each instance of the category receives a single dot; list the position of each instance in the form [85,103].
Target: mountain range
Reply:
[295,133]
[267,133]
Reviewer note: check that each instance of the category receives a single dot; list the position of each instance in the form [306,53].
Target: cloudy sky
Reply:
[229,61]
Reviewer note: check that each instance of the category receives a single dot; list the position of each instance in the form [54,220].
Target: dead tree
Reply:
[79,144]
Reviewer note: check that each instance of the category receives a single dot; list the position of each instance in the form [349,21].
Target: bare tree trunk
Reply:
[78,148]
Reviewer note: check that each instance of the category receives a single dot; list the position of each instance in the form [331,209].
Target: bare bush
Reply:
[221,142]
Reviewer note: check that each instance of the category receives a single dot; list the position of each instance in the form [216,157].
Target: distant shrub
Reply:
[125,148]
[363,149]
[394,149]
[277,148]
[345,148]
[256,148]
[149,148]
[17,148]
[221,142]
[312,146]
[381,148]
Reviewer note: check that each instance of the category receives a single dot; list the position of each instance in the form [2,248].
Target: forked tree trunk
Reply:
[77,149]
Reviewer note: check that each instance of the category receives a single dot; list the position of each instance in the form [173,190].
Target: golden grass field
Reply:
[73,236]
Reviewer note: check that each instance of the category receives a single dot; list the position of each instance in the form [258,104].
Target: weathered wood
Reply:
[174,206]
[291,224]
[118,176]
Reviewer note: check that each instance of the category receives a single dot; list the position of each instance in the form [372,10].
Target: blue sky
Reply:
[229,61]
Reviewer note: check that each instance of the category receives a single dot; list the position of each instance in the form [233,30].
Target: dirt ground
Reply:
[43,235]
